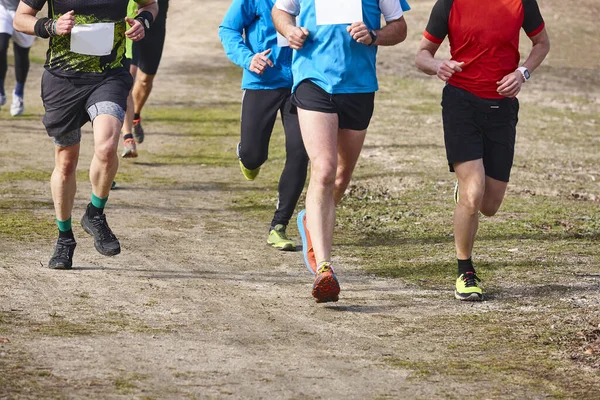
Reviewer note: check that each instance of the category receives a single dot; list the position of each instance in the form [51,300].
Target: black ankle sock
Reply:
[465,266]
[128,136]
[136,116]
[93,211]
[66,234]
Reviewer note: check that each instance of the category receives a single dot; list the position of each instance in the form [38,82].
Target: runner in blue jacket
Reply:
[250,41]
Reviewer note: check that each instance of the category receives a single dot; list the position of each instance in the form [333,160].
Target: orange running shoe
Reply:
[307,248]
[326,287]
[129,149]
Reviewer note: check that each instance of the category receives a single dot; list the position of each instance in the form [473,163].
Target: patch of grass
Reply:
[63,328]
[529,361]
[25,175]
[211,135]
[21,219]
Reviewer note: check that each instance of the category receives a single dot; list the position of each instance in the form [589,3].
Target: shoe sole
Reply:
[300,223]
[285,247]
[129,154]
[103,252]
[469,297]
[60,266]
[326,289]
[248,178]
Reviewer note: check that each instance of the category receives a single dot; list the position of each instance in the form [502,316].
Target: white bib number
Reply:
[93,39]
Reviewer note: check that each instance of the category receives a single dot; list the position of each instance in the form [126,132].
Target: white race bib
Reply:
[93,39]
[332,12]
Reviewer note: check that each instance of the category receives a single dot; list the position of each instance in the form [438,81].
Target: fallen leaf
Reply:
[4,340]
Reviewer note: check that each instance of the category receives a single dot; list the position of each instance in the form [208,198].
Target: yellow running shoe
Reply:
[249,174]
[467,287]
[279,240]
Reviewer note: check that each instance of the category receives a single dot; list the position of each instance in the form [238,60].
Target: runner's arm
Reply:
[539,51]
[392,33]
[26,21]
[239,16]
[425,60]
[395,28]
[284,18]
[25,18]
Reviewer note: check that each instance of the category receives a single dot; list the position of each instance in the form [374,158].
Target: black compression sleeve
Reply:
[40,28]
[146,18]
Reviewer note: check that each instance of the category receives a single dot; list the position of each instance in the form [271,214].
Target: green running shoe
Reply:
[279,240]
[249,174]
[467,287]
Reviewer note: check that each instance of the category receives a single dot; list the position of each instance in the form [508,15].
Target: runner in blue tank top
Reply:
[335,80]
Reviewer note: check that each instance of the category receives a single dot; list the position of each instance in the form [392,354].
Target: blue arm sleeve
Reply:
[241,13]
[404,4]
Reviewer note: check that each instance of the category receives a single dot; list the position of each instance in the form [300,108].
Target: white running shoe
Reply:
[17,107]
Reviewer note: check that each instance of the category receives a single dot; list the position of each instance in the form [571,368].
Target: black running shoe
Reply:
[63,254]
[105,241]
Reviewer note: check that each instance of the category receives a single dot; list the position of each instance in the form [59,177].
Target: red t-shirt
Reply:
[485,36]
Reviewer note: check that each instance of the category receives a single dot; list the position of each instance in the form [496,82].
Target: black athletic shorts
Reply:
[354,110]
[67,101]
[147,52]
[476,128]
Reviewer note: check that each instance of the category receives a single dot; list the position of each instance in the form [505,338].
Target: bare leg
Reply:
[493,197]
[141,90]
[471,184]
[63,181]
[320,134]
[128,122]
[350,144]
[105,161]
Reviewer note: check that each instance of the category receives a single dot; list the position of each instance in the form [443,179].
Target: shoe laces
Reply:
[280,229]
[470,279]
[99,222]
[325,267]
[62,249]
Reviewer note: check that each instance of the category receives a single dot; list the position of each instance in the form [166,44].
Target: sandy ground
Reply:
[193,307]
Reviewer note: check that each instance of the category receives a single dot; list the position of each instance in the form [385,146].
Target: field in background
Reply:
[197,306]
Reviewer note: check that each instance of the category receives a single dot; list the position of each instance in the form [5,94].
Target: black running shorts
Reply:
[67,101]
[477,128]
[147,53]
[354,110]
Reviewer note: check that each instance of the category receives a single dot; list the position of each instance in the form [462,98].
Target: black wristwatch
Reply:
[373,37]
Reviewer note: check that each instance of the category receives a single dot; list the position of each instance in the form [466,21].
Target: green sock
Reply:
[98,202]
[64,226]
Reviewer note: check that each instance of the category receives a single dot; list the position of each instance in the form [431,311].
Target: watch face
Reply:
[526,74]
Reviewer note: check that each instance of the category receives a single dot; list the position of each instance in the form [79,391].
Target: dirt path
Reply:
[196,306]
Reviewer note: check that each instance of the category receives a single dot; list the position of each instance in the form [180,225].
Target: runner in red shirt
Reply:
[479,105]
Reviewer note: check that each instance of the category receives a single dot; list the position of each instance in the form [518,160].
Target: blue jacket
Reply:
[253,19]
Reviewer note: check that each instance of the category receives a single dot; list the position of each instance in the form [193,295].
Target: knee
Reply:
[66,165]
[490,208]
[323,173]
[472,200]
[252,159]
[144,81]
[342,179]
[106,152]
